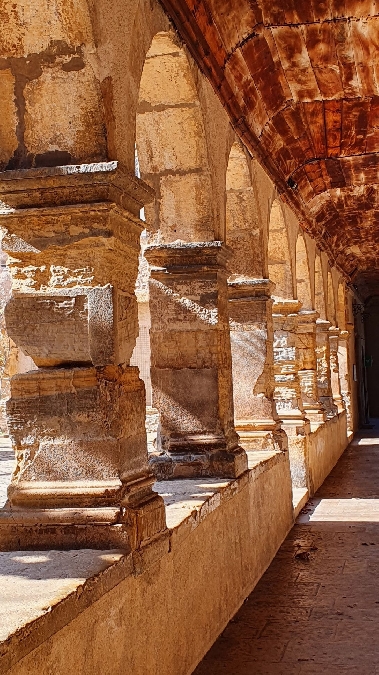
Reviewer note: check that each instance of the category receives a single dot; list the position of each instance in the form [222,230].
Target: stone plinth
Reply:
[191,368]
[287,392]
[77,423]
[324,386]
[251,335]
[306,344]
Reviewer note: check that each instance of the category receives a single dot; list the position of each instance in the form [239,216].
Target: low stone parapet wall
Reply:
[92,612]
[326,445]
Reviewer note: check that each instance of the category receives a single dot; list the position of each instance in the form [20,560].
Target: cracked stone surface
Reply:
[316,610]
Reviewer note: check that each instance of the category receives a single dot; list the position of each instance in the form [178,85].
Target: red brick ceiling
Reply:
[300,80]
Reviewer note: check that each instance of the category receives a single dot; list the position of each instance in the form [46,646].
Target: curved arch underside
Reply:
[300,79]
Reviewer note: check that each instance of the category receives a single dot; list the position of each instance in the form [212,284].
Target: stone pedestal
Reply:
[344,367]
[191,368]
[287,392]
[77,423]
[251,334]
[306,343]
[324,386]
[334,336]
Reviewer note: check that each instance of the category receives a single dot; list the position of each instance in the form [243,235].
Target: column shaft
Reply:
[191,368]
[324,386]
[251,326]
[344,365]
[77,422]
[306,342]
[287,387]
[334,336]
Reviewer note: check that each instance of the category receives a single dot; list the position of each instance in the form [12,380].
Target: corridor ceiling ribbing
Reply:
[300,80]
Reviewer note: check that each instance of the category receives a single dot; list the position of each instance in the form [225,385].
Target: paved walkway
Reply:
[316,610]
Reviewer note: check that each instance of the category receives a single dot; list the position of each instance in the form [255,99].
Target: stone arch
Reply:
[243,231]
[303,279]
[279,259]
[171,145]
[320,304]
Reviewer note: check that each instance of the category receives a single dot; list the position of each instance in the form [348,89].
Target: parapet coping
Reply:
[43,591]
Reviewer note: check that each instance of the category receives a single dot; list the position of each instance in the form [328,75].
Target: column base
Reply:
[125,527]
[215,462]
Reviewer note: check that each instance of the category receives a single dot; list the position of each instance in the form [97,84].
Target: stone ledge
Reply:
[73,184]
[59,585]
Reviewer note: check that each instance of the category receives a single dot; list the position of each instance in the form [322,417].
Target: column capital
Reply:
[73,184]
[334,332]
[246,289]
[323,325]
[308,316]
[180,257]
[286,307]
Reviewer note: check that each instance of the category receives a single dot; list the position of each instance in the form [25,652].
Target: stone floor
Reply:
[316,610]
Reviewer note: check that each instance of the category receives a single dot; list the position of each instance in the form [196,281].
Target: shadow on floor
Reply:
[316,609]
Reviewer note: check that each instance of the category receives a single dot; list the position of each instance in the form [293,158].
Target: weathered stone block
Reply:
[75,430]
[74,326]
[176,87]
[160,150]
[62,113]
[8,118]
[181,195]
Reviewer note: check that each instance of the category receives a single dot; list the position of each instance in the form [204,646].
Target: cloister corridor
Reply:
[316,609]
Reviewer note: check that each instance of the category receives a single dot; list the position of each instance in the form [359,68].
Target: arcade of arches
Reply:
[189,310]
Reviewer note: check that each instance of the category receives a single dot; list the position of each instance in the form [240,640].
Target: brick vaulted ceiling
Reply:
[300,80]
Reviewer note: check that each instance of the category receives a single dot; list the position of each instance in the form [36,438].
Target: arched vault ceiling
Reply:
[300,80]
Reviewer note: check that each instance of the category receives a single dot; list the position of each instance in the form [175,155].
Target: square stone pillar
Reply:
[334,336]
[251,334]
[287,392]
[191,368]
[78,422]
[344,366]
[306,343]
[324,385]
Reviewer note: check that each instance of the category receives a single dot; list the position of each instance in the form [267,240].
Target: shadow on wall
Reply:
[372,354]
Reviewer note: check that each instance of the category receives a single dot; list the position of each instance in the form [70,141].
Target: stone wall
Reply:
[163,620]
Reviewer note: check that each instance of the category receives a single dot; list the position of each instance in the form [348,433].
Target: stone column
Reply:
[251,333]
[306,343]
[334,334]
[324,386]
[191,367]
[77,422]
[287,387]
[344,366]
